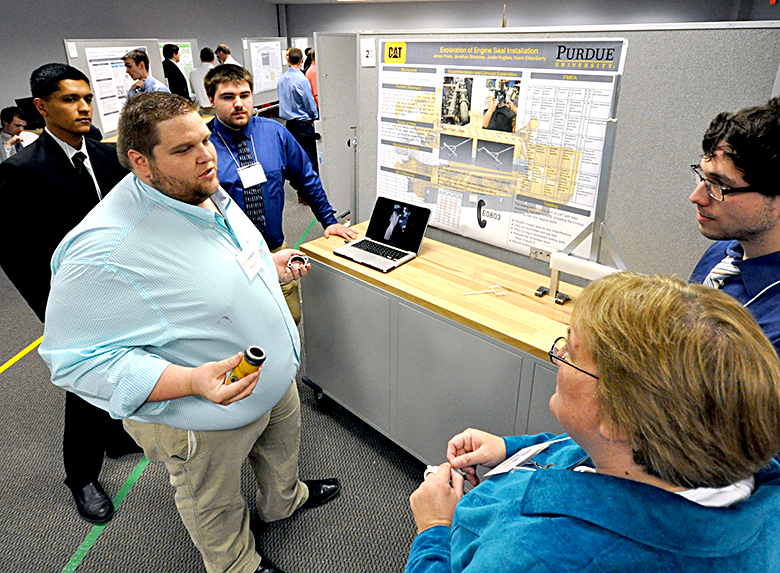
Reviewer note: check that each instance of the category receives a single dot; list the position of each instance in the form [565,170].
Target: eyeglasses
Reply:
[557,353]
[714,190]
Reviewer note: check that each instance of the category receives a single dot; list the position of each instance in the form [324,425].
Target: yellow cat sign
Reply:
[395,52]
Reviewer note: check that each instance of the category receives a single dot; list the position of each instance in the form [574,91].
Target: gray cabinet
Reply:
[413,374]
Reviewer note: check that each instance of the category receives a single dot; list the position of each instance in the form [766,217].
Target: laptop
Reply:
[394,236]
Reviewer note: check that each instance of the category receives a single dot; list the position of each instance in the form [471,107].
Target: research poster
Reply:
[504,141]
[266,58]
[110,83]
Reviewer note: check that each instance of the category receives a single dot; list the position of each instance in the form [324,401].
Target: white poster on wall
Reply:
[266,58]
[504,141]
[110,83]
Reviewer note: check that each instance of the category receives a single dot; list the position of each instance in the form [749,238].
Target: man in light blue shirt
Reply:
[297,106]
[150,293]
[137,66]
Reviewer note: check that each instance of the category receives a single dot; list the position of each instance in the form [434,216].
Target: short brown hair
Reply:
[137,56]
[295,56]
[686,373]
[226,73]
[138,122]
[222,48]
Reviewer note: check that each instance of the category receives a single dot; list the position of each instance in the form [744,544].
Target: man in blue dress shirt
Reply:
[255,157]
[738,205]
[137,66]
[297,106]
[153,295]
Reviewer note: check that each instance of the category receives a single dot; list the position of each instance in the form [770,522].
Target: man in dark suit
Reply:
[176,81]
[60,178]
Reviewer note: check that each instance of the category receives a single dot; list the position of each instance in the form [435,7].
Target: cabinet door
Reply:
[449,379]
[346,335]
[539,417]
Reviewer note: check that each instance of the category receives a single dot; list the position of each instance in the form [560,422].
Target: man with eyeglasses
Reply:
[737,200]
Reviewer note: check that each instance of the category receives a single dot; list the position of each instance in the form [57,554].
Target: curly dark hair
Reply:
[751,139]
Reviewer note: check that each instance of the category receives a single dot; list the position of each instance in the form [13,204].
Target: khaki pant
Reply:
[205,470]
[290,292]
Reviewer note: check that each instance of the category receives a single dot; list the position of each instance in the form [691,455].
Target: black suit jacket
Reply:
[177,83]
[43,202]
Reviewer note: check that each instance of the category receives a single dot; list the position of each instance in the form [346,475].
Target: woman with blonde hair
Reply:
[670,397]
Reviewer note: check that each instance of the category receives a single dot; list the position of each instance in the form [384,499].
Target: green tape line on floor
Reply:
[96,530]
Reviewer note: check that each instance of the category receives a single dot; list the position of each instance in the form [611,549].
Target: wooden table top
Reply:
[437,278]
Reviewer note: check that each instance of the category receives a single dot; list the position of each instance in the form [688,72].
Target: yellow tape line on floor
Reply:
[21,355]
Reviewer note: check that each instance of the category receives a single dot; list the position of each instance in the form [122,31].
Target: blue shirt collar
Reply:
[757,273]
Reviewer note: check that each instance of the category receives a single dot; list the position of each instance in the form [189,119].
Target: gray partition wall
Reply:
[676,79]
[336,57]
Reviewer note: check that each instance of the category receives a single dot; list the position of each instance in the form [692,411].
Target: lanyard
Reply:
[254,151]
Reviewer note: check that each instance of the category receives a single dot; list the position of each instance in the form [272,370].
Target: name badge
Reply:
[519,459]
[250,262]
[252,175]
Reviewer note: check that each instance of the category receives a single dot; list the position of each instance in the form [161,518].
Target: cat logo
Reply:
[395,52]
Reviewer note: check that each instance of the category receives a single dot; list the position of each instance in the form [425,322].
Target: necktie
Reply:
[84,177]
[18,146]
[253,196]
[720,272]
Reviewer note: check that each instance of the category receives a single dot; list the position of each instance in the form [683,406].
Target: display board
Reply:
[101,61]
[505,141]
[264,57]
[676,78]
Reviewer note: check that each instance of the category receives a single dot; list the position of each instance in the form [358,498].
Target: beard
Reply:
[181,189]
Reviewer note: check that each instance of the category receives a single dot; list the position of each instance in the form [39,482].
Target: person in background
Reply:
[12,135]
[255,157]
[59,179]
[137,66]
[737,199]
[297,106]
[311,75]
[198,74]
[223,55]
[153,296]
[177,83]
[669,394]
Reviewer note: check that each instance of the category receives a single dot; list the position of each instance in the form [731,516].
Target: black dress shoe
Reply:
[267,568]
[93,503]
[321,491]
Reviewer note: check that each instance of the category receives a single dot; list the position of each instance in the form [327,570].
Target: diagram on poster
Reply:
[266,60]
[505,142]
[110,82]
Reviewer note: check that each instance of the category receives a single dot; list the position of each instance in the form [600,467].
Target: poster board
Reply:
[670,90]
[506,141]
[190,56]
[101,61]
[264,57]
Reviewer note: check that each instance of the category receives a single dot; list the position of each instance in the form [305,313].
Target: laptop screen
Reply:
[398,224]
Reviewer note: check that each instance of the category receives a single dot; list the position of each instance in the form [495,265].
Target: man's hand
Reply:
[13,141]
[341,231]
[138,84]
[294,271]
[209,380]
[475,447]
[434,501]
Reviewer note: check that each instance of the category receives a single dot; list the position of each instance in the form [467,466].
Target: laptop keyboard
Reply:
[380,249]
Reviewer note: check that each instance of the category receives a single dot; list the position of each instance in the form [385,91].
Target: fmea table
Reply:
[411,355]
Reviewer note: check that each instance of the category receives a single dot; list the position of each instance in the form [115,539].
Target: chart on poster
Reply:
[505,141]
